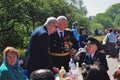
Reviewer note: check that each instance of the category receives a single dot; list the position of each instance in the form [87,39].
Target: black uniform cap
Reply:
[93,41]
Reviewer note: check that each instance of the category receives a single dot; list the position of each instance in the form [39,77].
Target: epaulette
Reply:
[68,29]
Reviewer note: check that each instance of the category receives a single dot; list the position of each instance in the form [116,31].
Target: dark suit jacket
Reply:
[99,57]
[37,56]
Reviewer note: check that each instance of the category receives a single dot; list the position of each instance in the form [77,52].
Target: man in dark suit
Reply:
[92,55]
[61,42]
[37,56]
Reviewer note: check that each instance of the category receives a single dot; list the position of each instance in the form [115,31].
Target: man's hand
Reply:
[56,70]
[73,51]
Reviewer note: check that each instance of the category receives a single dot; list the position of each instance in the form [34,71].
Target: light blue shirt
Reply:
[76,34]
[112,37]
[92,55]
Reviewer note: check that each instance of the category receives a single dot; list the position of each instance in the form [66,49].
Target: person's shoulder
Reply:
[101,53]
[86,35]
[40,30]
[36,30]
[3,67]
[68,30]
[81,51]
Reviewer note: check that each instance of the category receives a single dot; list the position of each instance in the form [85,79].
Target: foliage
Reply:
[113,10]
[107,19]
[79,5]
[83,21]
[104,20]
[1,58]
[21,52]
[117,20]
[19,18]
[94,26]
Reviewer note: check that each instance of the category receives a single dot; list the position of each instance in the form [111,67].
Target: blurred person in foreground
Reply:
[10,68]
[42,74]
[95,72]
[116,75]
[62,43]
[91,54]
[37,56]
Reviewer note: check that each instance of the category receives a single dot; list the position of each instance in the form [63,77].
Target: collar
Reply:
[60,31]
[92,55]
[46,29]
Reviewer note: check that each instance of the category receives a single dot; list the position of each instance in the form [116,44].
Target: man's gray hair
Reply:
[50,20]
[60,18]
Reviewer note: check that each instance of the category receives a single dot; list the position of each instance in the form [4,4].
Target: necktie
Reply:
[61,36]
[91,59]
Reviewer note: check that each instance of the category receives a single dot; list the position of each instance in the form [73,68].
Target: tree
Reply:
[94,26]
[21,17]
[11,12]
[103,20]
[79,6]
[113,10]
[117,20]
[83,21]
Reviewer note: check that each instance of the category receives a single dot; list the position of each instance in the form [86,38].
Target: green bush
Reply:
[1,58]
[22,53]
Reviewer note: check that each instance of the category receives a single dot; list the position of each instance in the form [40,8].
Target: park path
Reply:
[112,63]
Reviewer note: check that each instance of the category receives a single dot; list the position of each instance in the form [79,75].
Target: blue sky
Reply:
[98,6]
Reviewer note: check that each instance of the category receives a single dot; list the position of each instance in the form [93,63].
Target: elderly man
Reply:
[61,42]
[37,56]
[92,55]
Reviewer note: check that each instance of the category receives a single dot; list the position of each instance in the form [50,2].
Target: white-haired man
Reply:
[61,42]
[37,56]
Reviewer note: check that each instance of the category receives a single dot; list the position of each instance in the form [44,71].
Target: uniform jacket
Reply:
[62,46]
[37,56]
[99,57]
[58,45]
